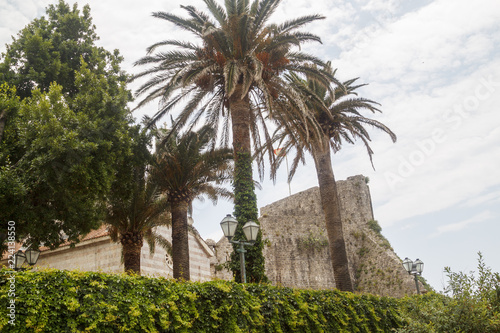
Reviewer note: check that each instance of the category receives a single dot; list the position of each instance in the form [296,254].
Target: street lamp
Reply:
[250,229]
[30,256]
[19,259]
[414,268]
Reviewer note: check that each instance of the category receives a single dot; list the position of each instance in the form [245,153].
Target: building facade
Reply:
[97,252]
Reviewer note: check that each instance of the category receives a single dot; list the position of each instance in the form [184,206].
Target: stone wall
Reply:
[160,263]
[99,254]
[296,245]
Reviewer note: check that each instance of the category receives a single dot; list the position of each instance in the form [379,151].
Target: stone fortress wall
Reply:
[296,245]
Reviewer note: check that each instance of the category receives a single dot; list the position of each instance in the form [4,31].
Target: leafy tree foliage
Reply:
[50,49]
[233,76]
[9,105]
[185,168]
[60,151]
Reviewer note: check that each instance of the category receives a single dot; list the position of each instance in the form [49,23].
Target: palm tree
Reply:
[133,219]
[136,208]
[235,74]
[337,115]
[184,169]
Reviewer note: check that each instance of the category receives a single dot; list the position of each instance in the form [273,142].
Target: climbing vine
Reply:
[245,209]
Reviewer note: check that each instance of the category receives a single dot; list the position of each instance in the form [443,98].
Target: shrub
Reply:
[72,301]
[469,305]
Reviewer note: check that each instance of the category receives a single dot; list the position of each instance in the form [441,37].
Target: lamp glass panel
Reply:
[229,225]
[225,227]
[419,266]
[407,264]
[19,259]
[32,256]
[251,230]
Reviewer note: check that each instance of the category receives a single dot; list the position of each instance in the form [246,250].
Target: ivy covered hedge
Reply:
[72,301]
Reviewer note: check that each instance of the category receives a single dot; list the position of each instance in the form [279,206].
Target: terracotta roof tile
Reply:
[97,233]
[101,232]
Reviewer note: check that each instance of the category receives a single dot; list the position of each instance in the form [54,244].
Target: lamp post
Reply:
[250,229]
[414,268]
[30,256]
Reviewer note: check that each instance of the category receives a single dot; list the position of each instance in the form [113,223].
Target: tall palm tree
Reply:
[234,74]
[337,115]
[185,169]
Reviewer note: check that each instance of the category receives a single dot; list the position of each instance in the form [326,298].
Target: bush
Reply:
[72,301]
[469,305]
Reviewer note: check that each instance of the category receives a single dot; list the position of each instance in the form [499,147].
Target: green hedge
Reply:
[72,301]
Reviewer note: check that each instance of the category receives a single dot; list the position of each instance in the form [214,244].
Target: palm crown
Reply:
[239,55]
[185,169]
[135,218]
[336,118]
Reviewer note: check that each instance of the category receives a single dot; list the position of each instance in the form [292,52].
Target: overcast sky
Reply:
[435,68]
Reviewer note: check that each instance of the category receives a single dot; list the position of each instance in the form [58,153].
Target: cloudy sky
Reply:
[435,68]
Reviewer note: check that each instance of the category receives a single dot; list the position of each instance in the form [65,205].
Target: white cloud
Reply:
[487,198]
[381,5]
[454,227]
[422,43]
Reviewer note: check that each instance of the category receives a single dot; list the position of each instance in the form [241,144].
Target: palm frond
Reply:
[298,22]
[231,76]
[241,6]
[264,10]
[231,7]
[217,11]
[185,45]
[200,18]
[182,23]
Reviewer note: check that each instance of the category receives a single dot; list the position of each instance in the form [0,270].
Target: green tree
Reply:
[60,152]
[136,207]
[233,77]
[50,48]
[184,169]
[11,189]
[337,119]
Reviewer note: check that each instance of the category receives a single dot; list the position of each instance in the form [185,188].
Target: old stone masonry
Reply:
[300,257]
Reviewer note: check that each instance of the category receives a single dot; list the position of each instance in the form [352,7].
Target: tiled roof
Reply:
[93,234]
[101,232]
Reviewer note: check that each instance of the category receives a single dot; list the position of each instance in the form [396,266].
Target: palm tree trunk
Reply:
[240,120]
[132,246]
[245,200]
[331,208]
[180,240]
